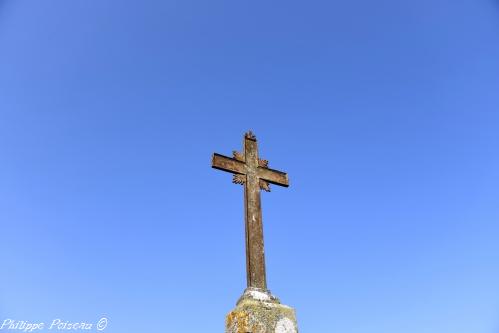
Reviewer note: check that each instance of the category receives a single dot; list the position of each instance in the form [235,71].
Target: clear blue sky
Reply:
[384,113]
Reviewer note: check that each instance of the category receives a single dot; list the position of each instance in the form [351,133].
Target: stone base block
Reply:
[259,312]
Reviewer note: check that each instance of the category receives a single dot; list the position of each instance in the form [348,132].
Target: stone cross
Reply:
[254,174]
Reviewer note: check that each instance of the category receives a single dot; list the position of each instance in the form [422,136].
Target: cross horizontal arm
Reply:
[228,164]
[273,176]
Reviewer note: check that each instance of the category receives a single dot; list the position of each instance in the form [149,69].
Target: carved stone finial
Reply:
[250,135]
[263,163]
[264,185]
[238,156]
[239,179]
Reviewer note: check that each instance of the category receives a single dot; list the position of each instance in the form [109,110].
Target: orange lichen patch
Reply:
[238,321]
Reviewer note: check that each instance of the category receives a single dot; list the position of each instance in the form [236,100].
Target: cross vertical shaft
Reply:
[254,174]
[255,255]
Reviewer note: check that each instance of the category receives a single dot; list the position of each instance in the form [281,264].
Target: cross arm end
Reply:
[275,177]
[228,164]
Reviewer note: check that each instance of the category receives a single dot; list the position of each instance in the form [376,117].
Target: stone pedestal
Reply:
[258,311]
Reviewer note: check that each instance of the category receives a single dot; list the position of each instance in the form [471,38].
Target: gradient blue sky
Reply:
[384,113]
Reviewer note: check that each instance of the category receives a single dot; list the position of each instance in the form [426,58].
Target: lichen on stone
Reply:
[253,316]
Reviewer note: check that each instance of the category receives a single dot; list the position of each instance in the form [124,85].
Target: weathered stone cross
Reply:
[254,174]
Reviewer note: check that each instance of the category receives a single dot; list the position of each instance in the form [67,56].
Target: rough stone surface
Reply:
[254,315]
